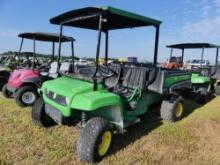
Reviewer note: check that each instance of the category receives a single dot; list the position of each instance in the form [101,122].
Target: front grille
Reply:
[54,114]
[59,99]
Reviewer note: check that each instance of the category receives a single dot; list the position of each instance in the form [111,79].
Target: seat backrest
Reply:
[157,84]
[113,81]
[53,68]
[65,67]
[151,75]
[135,77]
[206,72]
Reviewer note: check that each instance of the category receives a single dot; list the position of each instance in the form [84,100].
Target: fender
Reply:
[181,85]
[101,104]
[93,100]
[34,80]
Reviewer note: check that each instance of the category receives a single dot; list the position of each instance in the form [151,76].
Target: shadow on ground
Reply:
[190,103]
[150,121]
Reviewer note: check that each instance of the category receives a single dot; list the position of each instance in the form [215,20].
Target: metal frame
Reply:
[100,30]
[53,47]
[60,46]
[34,55]
[156,45]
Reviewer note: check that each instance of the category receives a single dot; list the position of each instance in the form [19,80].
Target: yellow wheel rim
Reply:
[179,109]
[105,143]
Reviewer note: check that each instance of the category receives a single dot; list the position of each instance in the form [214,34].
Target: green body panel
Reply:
[92,100]
[113,114]
[171,80]
[148,98]
[197,79]
[81,97]
[69,88]
[131,15]
[122,117]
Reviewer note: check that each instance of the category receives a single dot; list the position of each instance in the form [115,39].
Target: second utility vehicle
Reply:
[24,83]
[201,75]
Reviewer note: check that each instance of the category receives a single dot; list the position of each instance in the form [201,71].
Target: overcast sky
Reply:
[183,21]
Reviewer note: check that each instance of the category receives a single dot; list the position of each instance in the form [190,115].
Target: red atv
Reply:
[23,83]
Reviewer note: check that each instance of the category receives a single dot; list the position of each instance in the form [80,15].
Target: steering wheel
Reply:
[107,72]
[43,68]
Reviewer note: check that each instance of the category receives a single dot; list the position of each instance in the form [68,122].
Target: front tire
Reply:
[95,140]
[26,96]
[5,92]
[39,117]
[202,96]
[172,110]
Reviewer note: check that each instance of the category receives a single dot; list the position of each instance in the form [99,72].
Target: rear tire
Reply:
[217,90]
[26,96]
[172,110]
[39,117]
[5,92]
[4,80]
[94,140]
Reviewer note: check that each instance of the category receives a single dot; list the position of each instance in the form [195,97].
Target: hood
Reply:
[18,76]
[200,80]
[67,86]
[23,73]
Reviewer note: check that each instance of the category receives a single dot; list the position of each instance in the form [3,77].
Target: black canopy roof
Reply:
[27,53]
[193,45]
[48,37]
[115,18]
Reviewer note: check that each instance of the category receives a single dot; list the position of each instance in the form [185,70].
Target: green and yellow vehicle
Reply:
[203,75]
[112,97]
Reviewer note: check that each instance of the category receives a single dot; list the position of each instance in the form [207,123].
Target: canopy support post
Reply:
[59,49]
[73,55]
[34,55]
[216,62]
[53,51]
[98,51]
[183,51]
[171,52]
[156,45]
[106,47]
[20,48]
[202,56]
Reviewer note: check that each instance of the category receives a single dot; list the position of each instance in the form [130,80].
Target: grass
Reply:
[193,140]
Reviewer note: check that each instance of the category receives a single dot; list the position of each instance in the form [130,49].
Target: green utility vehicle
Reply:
[203,75]
[112,97]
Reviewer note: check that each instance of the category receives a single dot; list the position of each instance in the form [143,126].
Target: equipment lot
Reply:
[193,140]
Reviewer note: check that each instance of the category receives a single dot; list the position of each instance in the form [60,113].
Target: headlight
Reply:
[60,100]
[46,91]
[67,101]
